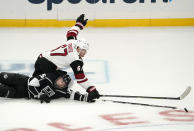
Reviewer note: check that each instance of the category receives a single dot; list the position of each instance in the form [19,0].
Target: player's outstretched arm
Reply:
[81,21]
[80,24]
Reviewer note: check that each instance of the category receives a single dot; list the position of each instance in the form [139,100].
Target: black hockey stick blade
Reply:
[185,93]
[182,96]
[141,104]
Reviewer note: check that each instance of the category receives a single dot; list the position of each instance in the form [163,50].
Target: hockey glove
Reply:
[88,98]
[44,98]
[81,22]
[92,93]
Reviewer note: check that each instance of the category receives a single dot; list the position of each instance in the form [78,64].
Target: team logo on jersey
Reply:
[42,76]
[47,90]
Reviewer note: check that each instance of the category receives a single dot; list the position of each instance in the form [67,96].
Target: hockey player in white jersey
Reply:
[68,55]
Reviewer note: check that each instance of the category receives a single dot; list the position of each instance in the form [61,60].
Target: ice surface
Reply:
[152,61]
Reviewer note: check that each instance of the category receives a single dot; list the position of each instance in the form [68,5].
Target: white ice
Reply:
[152,61]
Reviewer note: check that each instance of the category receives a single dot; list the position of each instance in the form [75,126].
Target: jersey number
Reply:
[66,49]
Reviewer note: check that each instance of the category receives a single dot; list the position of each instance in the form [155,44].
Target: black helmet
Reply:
[66,79]
[65,76]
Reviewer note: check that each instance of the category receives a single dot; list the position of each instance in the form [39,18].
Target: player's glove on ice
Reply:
[88,98]
[44,98]
[82,97]
[92,93]
[81,22]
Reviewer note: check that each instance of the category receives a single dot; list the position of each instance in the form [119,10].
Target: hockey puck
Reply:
[185,109]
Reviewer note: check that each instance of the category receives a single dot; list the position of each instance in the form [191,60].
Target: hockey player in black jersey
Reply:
[69,55]
[44,87]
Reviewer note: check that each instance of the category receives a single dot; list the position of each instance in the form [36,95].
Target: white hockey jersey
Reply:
[63,55]
[66,56]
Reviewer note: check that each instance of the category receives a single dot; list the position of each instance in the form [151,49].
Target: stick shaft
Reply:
[147,97]
[141,104]
[182,96]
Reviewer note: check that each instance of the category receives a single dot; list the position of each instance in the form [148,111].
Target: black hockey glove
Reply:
[44,98]
[92,93]
[82,97]
[88,98]
[81,22]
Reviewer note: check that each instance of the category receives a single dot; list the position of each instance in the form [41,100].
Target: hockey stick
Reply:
[182,96]
[141,104]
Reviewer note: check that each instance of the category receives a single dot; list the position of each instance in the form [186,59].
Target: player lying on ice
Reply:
[68,55]
[44,87]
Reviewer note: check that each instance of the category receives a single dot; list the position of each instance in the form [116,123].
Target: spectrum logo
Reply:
[50,2]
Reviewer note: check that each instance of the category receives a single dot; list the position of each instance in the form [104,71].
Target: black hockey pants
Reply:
[42,65]
[13,85]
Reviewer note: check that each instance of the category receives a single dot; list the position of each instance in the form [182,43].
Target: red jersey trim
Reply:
[58,54]
[71,34]
[73,31]
[82,81]
[80,25]
[92,89]
[80,76]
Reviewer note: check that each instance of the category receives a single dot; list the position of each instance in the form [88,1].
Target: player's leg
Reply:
[22,86]
[8,78]
[42,65]
[12,79]
[7,91]
[16,82]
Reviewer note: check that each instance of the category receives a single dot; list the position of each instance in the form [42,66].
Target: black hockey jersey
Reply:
[44,83]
